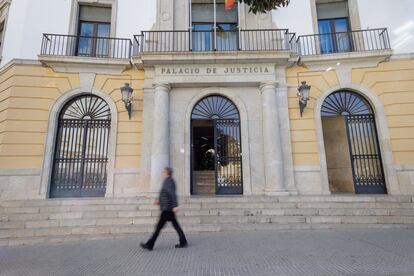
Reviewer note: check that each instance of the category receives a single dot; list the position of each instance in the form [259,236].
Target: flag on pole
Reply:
[229,4]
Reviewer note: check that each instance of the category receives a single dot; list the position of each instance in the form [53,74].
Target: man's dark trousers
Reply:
[166,216]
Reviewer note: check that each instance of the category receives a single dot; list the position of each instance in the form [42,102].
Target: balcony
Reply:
[83,46]
[371,40]
[225,45]
[207,41]
[60,50]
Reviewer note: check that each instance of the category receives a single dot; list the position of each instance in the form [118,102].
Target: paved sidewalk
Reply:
[308,252]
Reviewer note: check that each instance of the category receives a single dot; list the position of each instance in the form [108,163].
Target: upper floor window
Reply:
[333,26]
[214,27]
[94,31]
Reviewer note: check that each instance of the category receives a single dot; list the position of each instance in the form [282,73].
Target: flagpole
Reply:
[190,24]
[215,26]
[238,23]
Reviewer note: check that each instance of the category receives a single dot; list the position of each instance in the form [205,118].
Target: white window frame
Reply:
[354,20]
[74,17]
[190,21]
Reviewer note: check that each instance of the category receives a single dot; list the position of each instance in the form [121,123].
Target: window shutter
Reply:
[95,14]
[332,10]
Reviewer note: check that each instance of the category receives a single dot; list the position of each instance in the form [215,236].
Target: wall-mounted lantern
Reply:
[127,98]
[303,95]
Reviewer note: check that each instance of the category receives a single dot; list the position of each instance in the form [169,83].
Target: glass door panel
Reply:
[343,41]
[326,36]
[203,37]
[94,39]
[102,43]
[86,32]
[227,37]
[334,36]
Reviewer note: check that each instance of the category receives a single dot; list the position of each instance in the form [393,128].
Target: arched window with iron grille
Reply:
[81,150]
[356,114]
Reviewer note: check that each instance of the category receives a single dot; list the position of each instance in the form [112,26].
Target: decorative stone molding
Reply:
[74,15]
[348,60]
[74,64]
[86,81]
[164,86]
[51,140]
[219,74]
[4,6]
[4,13]
[215,57]
[265,86]
[344,75]
[352,9]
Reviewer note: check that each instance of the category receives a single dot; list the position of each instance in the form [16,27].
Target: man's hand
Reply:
[157,202]
[175,209]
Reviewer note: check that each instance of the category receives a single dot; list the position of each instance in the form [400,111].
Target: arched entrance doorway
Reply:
[216,162]
[351,144]
[81,150]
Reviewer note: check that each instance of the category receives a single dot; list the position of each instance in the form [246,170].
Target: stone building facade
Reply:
[215,97]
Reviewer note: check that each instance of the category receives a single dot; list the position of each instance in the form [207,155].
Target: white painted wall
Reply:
[29,19]
[135,16]
[297,17]
[397,15]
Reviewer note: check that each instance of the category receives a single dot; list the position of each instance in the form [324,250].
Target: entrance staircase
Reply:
[204,182]
[59,220]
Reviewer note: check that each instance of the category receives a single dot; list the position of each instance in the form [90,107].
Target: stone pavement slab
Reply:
[299,252]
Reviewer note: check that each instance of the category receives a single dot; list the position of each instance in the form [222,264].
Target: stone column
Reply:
[272,144]
[284,127]
[160,149]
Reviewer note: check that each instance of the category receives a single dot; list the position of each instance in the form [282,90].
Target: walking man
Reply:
[168,205]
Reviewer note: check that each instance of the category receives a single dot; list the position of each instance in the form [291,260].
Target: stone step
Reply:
[204,172]
[54,219]
[216,199]
[206,212]
[205,183]
[205,190]
[216,224]
[330,207]
[205,178]
[14,220]
[145,210]
[207,219]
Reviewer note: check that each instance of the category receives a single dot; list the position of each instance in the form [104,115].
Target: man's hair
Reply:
[169,170]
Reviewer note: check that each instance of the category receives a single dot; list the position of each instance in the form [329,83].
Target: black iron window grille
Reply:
[81,151]
[364,149]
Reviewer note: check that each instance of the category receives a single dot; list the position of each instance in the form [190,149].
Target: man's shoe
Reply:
[184,245]
[144,246]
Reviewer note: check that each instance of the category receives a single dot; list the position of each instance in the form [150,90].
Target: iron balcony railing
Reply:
[85,46]
[342,42]
[220,40]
